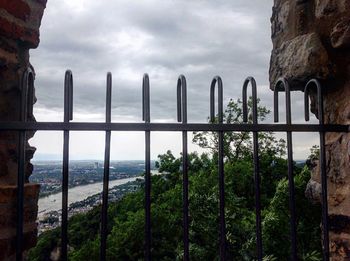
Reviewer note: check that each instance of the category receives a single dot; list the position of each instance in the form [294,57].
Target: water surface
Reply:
[54,202]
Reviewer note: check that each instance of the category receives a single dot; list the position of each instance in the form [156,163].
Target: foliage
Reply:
[238,145]
[276,220]
[46,243]
[311,161]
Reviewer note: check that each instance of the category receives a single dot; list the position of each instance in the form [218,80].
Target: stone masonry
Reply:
[19,30]
[311,38]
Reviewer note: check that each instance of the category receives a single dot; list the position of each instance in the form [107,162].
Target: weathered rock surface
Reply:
[311,39]
[19,30]
[299,59]
[8,213]
[340,36]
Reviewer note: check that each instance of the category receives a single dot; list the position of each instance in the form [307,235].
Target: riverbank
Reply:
[50,219]
[53,202]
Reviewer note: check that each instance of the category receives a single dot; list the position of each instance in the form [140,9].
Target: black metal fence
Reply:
[66,126]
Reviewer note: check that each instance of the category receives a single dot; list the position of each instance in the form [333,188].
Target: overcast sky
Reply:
[165,38]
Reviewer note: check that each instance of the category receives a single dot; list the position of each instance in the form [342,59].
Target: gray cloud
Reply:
[197,38]
[164,38]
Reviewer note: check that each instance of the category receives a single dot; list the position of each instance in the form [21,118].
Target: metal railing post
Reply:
[104,210]
[252,82]
[284,85]
[217,80]
[68,115]
[182,117]
[146,118]
[323,173]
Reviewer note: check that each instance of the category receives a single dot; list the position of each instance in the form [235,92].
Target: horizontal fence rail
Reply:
[95,126]
[216,125]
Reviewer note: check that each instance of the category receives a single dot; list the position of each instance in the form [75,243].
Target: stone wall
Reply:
[19,30]
[311,38]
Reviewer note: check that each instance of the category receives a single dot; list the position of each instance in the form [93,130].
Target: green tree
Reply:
[276,226]
[312,159]
[238,145]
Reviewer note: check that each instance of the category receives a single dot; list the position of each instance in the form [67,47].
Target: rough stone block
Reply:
[19,32]
[340,36]
[8,203]
[7,57]
[18,8]
[279,20]
[8,194]
[338,162]
[313,192]
[325,7]
[42,2]
[8,245]
[298,60]
[8,221]
[340,246]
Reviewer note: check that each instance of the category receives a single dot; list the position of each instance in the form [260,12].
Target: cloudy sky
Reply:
[165,38]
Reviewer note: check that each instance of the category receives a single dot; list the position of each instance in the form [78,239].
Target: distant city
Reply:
[49,173]
[85,186]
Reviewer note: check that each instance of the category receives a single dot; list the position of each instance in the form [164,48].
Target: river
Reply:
[54,202]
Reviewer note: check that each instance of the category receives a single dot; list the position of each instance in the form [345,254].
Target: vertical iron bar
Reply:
[292,195]
[284,84]
[222,196]
[322,163]
[257,196]
[20,194]
[104,211]
[26,92]
[256,160]
[218,80]
[323,178]
[68,115]
[148,196]
[185,196]
[65,195]
[182,117]
[324,197]
[146,118]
